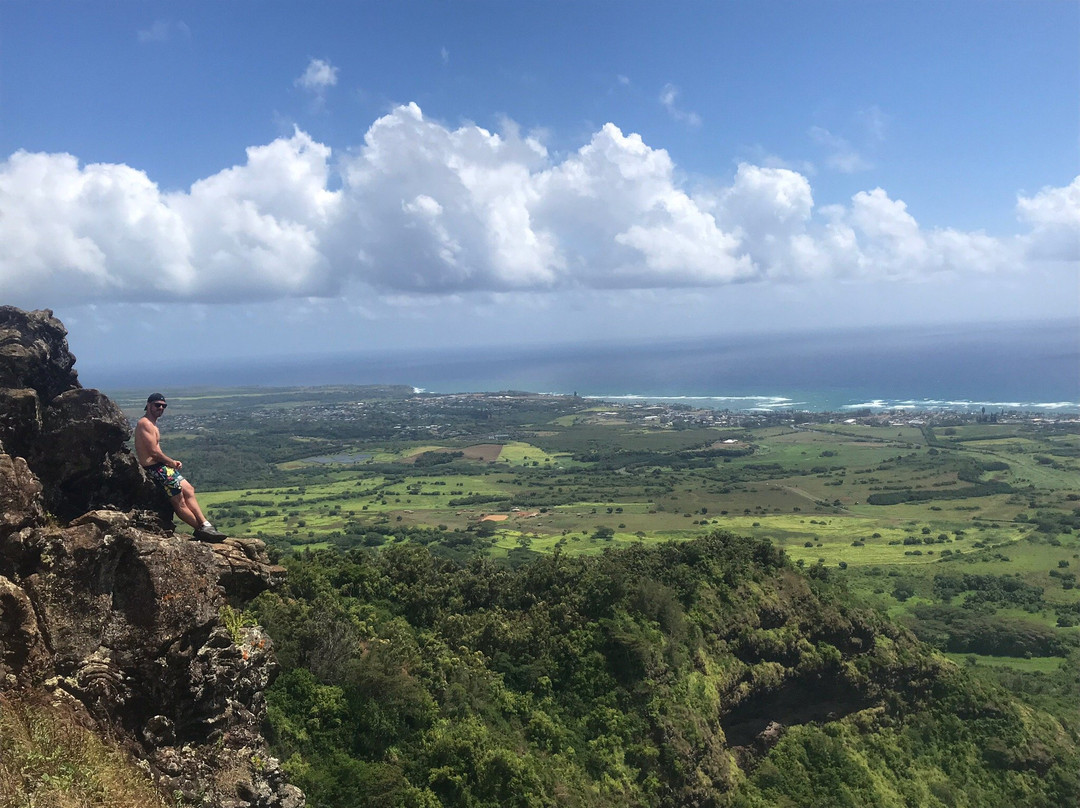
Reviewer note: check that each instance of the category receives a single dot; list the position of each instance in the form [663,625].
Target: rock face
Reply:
[72,438]
[101,603]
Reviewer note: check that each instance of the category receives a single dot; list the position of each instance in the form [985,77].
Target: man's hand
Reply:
[178,465]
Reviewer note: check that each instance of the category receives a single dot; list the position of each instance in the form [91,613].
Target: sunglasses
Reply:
[159,405]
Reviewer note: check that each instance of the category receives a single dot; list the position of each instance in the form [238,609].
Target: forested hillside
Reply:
[703,673]
[509,599]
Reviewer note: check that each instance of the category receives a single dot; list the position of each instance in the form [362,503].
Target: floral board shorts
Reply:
[167,479]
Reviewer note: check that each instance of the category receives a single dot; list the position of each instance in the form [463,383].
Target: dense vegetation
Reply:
[526,600]
[647,676]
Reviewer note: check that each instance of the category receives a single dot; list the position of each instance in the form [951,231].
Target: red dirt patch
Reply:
[488,452]
[483,451]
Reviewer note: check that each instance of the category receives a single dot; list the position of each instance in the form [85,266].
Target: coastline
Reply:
[778,403]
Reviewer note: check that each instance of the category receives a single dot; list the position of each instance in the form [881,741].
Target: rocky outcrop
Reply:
[71,437]
[104,606]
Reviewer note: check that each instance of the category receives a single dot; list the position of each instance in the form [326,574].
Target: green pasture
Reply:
[1028,463]
[767,496]
[588,516]
[1032,561]
[831,540]
[327,507]
[506,540]
[805,490]
[1008,444]
[517,453]
[972,513]
[592,436]
[901,435]
[1028,470]
[1027,665]
[977,432]
[349,457]
[804,450]
[784,509]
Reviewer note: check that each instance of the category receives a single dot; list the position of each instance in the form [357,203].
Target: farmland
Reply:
[960,525]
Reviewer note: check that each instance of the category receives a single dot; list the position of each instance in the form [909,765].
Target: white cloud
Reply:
[772,209]
[99,231]
[668,96]
[318,76]
[769,208]
[422,209]
[434,209]
[1054,216]
[622,220]
[255,230]
[107,232]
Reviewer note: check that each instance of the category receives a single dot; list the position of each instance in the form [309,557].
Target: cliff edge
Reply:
[103,607]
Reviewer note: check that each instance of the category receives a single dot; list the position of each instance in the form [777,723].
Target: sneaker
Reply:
[209,533]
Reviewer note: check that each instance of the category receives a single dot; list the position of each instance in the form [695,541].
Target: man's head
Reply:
[155,404]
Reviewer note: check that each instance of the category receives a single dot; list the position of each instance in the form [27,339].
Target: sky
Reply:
[207,181]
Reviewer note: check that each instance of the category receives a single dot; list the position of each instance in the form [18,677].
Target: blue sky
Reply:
[290,178]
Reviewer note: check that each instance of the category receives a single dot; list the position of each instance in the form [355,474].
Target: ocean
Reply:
[1027,367]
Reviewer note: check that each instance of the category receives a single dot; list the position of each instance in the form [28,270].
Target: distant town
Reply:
[405,413]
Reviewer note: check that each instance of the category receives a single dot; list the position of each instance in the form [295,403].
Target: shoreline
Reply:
[782,403]
[818,405]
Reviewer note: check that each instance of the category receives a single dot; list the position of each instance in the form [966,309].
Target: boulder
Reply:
[34,353]
[74,439]
[81,455]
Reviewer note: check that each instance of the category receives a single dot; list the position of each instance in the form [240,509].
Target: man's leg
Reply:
[187,491]
[183,511]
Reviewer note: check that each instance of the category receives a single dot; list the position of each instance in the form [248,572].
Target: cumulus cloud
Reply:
[318,77]
[1054,217]
[424,209]
[873,237]
[107,231]
[434,209]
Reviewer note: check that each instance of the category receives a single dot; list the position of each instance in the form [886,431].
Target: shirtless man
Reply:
[163,470]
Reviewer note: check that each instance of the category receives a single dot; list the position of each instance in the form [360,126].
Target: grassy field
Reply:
[980,521]
[807,488]
[1032,665]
